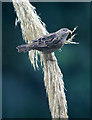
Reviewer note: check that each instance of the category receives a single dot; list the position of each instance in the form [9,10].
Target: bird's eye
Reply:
[65,30]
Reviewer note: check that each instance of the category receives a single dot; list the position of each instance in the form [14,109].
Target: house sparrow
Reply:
[48,43]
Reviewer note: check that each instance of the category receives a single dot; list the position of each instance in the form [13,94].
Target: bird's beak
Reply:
[69,31]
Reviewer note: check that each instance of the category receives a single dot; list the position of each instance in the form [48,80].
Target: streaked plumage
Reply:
[47,43]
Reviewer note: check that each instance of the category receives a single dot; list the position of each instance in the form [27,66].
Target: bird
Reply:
[47,43]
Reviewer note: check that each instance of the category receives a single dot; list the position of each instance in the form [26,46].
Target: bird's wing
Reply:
[47,40]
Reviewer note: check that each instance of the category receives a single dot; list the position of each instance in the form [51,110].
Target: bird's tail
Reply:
[24,48]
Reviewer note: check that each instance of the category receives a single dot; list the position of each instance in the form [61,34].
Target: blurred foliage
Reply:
[24,93]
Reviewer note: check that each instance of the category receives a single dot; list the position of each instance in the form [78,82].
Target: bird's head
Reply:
[63,33]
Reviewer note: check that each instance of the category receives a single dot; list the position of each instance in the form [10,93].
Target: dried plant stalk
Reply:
[32,28]
[54,87]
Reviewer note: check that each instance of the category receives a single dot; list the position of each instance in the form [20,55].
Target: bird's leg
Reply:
[49,57]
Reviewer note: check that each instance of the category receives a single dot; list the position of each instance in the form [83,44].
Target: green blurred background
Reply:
[24,94]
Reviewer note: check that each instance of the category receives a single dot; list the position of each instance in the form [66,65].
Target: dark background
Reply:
[24,94]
